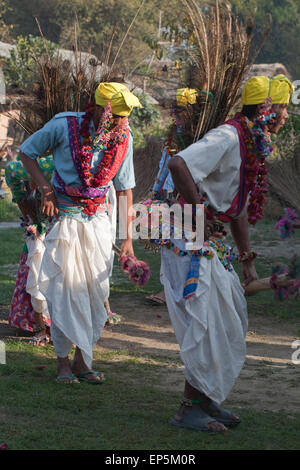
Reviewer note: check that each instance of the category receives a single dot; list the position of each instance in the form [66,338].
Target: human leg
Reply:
[41,336]
[191,414]
[84,373]
[210,330]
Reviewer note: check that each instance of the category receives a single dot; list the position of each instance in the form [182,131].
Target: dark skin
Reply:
[239,227]
[50,209]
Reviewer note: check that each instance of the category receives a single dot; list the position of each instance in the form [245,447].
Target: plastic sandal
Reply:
[42,340]
[71,379]
[82,377]
[221,415]
[196,420]
[155,300]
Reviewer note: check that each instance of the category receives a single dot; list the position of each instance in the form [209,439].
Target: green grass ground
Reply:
[37,413]
[130,411]
[9,211]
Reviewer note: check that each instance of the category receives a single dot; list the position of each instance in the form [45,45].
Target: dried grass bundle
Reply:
[220,54]
[59,85]
[284,172]
[146,161]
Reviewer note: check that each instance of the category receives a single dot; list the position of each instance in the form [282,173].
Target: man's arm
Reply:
[240,231]
[183,180]
[185,185]
[49,204]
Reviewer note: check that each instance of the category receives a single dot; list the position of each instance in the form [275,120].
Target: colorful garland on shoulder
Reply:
[105,140]
[259,147]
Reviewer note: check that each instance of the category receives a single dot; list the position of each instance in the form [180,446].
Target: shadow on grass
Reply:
[126,412]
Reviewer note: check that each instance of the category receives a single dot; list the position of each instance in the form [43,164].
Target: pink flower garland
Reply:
[285,226]
[105,140]
[138,271]
[258,148]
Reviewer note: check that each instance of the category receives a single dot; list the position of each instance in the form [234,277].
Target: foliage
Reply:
[142,117]
[4,27]
[98,21]
[283,43]
[18,68]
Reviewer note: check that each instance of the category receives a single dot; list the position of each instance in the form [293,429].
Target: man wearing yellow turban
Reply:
[259,88]
[225,170]
[93,163]
[262,94]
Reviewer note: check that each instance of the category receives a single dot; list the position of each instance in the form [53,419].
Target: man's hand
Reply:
[126,249]
[49,204]
[249,273]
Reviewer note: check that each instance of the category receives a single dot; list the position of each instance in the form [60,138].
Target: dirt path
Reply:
[269,379]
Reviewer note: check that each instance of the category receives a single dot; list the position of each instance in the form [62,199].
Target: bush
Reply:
[19,67]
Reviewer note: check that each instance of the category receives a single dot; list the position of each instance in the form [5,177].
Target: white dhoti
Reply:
[74,278]
[210,326]
[36,250]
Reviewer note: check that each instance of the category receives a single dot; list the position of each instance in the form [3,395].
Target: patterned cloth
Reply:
[21,312]
[16,176]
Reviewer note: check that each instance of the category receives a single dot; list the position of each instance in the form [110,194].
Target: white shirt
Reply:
[214,163]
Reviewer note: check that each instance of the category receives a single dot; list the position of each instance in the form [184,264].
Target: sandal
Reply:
[155,300]
[41,340]
[221,415]
[113,319]
[82,377]
[65,379]
[196,420]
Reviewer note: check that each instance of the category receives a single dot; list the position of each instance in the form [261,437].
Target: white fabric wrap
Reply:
[210,327]
[74,278]
[36,250]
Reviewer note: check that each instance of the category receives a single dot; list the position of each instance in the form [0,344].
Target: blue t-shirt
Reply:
[55,136]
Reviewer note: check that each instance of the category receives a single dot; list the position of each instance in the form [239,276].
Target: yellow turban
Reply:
[122,100]
[259,88]
[185,96]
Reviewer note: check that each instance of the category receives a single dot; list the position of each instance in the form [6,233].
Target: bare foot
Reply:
[79,367]
[64,370]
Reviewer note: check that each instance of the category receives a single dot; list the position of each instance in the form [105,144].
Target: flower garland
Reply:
[138,271]
[259,148]
[285,226]
[113,144]
[293,272]
[105,140]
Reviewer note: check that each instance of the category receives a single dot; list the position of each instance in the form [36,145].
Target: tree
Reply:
[4,28]
[100,20]
[283,43]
